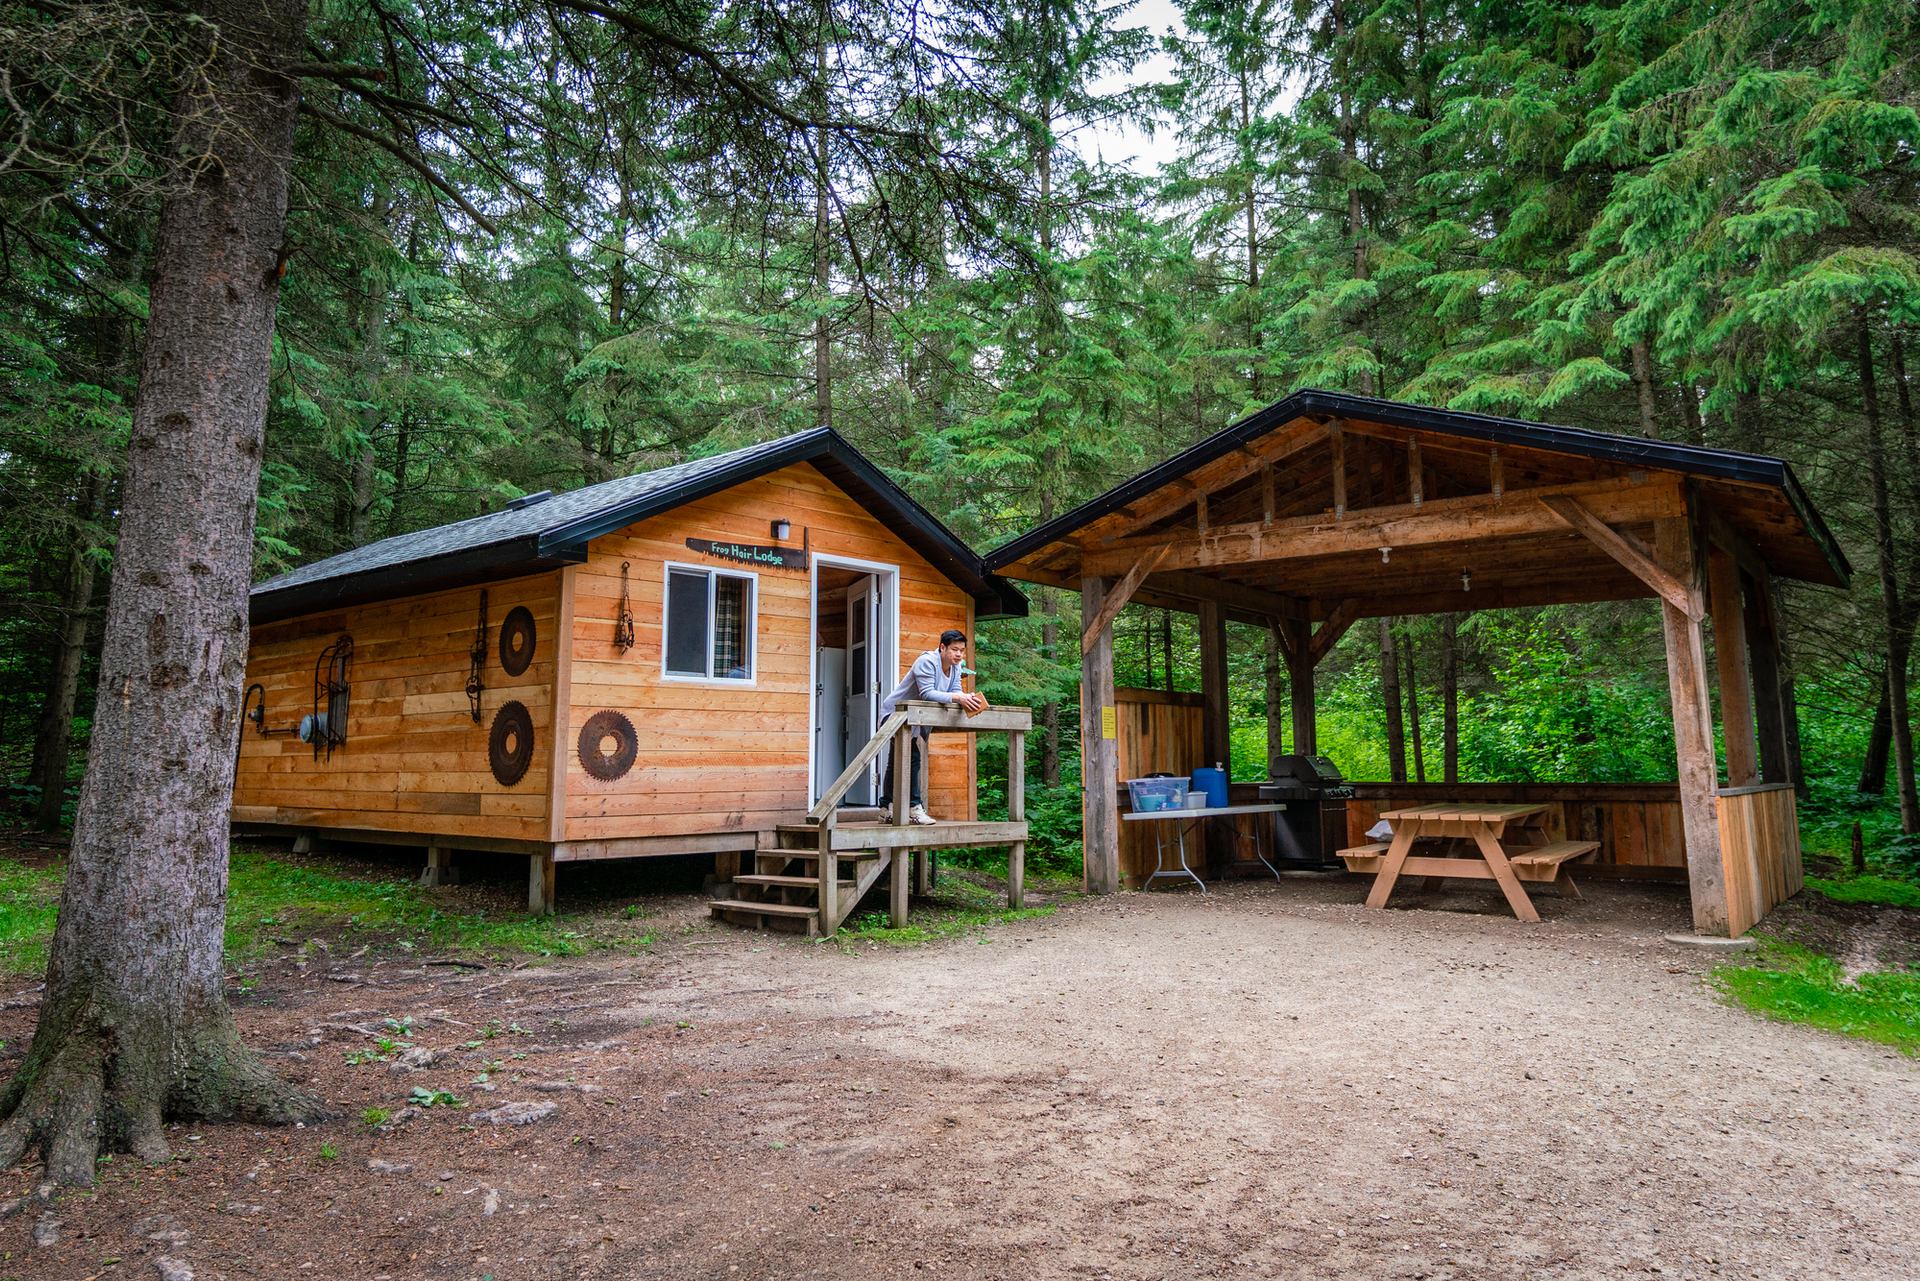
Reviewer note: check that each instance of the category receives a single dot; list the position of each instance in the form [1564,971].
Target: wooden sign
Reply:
[751,553]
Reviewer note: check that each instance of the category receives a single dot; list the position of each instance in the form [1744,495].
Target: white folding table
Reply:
[1179,817]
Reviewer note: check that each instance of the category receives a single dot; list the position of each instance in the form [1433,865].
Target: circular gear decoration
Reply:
[595,758]
[516,640]
[510,744]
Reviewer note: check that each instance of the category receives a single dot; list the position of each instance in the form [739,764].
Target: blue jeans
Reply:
[916,791]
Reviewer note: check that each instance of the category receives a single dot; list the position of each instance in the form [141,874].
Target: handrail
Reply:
[857,767]
[917,712]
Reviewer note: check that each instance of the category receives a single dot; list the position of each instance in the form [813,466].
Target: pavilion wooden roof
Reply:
[1287,514]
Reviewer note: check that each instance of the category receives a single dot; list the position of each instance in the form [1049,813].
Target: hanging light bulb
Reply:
[1385,553]
[1466,580]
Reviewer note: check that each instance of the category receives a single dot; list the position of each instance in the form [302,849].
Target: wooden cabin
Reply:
[674,662]
[1325,509]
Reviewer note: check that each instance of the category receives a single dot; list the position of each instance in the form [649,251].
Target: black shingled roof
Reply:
[1697,460]
[555,531]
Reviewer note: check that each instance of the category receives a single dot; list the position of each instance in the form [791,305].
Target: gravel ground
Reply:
[1266,1082]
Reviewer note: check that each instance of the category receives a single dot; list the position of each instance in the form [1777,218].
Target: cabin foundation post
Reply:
[897,887]
[1693,729]
[1099,751]
[540,883]
[303,843]
[923,872]
[439,869]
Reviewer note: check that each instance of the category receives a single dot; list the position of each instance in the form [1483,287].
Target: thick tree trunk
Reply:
[1899,630]
[1643,383]
[1277,708]
[1450,697]
[54,734]
[822,261]
[1873,769]
[1390,698]
[1413,711]
[134,1025]
[373,360]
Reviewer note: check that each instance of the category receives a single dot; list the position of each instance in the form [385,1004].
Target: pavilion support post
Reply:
[1300,666]
[1676,547]
[1215,718]
[1730,657]
[1099,751]
[1772,683]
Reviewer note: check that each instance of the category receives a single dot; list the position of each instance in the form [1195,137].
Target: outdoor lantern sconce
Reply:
[781,528]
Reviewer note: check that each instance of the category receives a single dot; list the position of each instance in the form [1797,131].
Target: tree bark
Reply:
[1413,711]
[1275,673]
[134,1025]
[1873,768]
[1899,632]
[1450,697]
[373,359]
[822,277]
[1390,699]
[1643,383]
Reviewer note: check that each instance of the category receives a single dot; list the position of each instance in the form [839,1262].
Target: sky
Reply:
[1117,142]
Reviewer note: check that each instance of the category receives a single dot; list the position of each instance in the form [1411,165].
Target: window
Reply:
[709,624]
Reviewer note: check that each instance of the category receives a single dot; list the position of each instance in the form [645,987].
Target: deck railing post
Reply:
[1017,813]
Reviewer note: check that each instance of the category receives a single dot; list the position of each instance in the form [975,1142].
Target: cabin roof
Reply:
[1290,448]
[555,531]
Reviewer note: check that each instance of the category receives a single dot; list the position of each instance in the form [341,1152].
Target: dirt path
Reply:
[1268,1083]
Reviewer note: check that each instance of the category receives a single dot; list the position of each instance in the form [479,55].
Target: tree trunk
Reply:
[822,278]
[52,738]
[1390,698]
[1643,383]
[1873,769]
[1690,410]
[1253,242]
[373,359]
[1450,696]
[1413,711]
[134,1025]
[1350,151]
[1277,708]
[1166,645]
[1899,633]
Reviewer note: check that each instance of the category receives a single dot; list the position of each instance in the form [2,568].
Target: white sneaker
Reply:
[918,814]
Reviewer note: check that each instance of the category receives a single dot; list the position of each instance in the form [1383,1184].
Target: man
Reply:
[933,678]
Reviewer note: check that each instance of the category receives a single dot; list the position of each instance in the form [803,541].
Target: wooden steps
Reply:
[783,890]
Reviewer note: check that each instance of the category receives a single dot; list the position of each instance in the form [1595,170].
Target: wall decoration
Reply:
[752,553]
[516,640]
[326,726]
[510,744]
[623,625]
[476,678]
[595,756]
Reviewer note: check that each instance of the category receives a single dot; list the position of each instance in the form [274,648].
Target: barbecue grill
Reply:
[1313,828]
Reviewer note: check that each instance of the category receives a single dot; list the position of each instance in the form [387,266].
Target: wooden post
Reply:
[439,870]
[1730,658]
[1099,752]
[1772,686]
[1338,439]
[1017,813]
[1215,719]
[829,894]
[1693,731]
[902,766]
[923,872]
[1300,678]
[897,886]
[540,883]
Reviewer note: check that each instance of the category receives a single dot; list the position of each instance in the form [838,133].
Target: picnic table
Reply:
[1501,843]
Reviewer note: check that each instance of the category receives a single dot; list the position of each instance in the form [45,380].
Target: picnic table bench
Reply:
[1475,833]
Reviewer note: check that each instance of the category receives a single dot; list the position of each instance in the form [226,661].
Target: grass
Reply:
[271,901]
[1798,985]
[959,907]
[1883,891]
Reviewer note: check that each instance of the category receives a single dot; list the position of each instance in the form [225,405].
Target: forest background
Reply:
[519,257]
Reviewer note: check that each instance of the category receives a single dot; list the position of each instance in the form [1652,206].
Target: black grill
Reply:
[1310,832]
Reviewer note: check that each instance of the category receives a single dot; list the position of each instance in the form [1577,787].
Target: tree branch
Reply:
[405,157]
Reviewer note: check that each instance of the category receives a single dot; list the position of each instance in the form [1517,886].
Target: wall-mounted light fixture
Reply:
[1466,580]
[1386,554]
[781,528]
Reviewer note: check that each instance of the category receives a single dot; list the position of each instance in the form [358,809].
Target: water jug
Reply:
[1212,781]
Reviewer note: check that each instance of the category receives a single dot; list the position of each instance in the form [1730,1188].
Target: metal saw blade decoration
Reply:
[516,640]
[510,744]
[595,758]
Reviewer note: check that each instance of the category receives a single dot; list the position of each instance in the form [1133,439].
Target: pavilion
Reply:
[1325,509]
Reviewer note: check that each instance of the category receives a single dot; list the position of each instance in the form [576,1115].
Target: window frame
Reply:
[751,625]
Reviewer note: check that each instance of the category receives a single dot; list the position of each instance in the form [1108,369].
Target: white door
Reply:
[829,717]
[863,680]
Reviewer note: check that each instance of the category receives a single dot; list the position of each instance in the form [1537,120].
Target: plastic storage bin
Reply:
[1148,794]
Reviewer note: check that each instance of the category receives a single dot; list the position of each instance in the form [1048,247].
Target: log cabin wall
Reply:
[1637,824]
[724,756]
[414,761]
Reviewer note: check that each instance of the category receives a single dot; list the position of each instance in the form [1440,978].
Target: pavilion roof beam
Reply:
[1633,555]
[1445,520]
[1116,599]
[1181,492]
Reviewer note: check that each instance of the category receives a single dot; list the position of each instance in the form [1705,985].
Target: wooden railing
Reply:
[1759,851]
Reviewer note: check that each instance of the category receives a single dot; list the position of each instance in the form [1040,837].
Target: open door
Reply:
[863,682]
[855,663]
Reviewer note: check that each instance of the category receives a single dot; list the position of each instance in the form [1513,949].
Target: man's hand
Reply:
[974,703]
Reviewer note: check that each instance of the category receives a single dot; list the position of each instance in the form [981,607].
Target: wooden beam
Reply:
[1200,513]
[1496,473]
[1180,490]
[1266,494]
[1338,435]
[1476,518]
[1632,555]
[1099,754]
[1299,648]
[1416,475]
[1344,615]
[1730,658]
[1117,599]
[1693,732]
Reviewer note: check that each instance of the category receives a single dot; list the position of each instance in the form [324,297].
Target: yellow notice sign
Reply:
[1109,723]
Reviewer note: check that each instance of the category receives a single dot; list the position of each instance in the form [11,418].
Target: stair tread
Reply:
[845,855]
[791,882]
[765,909]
